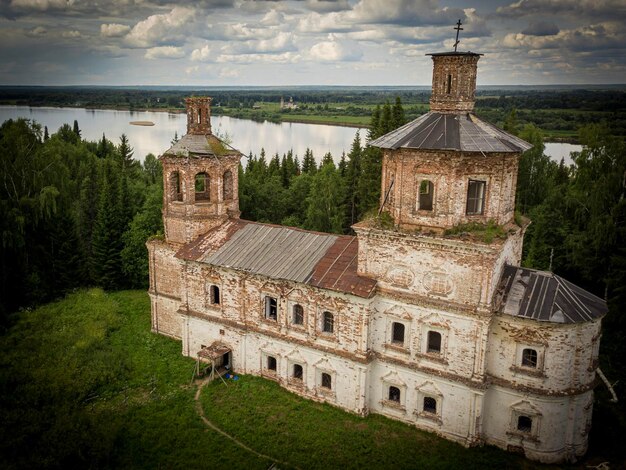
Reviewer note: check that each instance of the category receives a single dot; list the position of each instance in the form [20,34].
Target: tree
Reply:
[353,174]
[75,129]
[397,114]
[308,163]
[535,171]
[325,211]
[126,153]
[46,136]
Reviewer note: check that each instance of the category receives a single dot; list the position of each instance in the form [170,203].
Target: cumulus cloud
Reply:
[282,42]
[71,34]
[284,58]
[113,30]
[584,8]
[405,12]
[165,52]
[201,54]
[326,6]
[228,72]
[541,28]
[160,29]
[36,32]
[40,5]
[334,51]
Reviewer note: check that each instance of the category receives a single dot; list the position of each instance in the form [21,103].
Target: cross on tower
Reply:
[458,28]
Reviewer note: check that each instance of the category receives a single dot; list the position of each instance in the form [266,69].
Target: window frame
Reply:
[476,202]
[268,307]
[326,381]
[431,193]
[328,325]
[205,194]
[295,315]
[394,340]
[213,290]
[439,351]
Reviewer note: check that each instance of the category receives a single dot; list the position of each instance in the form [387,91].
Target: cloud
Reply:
[326,6]
[202,54]
[165,52]
[72,34]
[404,12]
[574,8]
[113,30]
[284,58]
[162,28]
[37,32]
[541,28]
[334,51]
[40,5]
[331,22]
[227,72]
[282,42]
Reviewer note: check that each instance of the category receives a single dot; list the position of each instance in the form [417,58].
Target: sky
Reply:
[307,42]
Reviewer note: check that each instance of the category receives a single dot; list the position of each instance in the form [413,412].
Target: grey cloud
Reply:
[326,6]
[604,9]
[541,28]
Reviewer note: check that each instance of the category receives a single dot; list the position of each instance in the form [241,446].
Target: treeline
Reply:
[324,197]
[72,213]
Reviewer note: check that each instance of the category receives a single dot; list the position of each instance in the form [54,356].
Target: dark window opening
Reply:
[430,405]
[524,423]
[329,323]
[227,185]
[394,394]
[176,187]
[271,363]
[271,308]
[475,197]
[215,295]
[426,195]
[397,334]
[327,381]
[449,84]
[297,371]
[203,187]
[529,358]
[298,314]
[434,342]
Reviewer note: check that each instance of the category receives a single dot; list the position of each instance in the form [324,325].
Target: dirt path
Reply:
[204,419]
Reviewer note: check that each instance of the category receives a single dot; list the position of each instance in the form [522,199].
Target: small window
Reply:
[430,405]
[524,424]
[271,308]
[394,394]
[397,333]
[426,195]
[203,187]
[449,84]
[176,187]
[271,363]
[215,295]
[328,323]
[475,197]
[297,372]
[327,381]
[529,358]
[434,342]
[298,315]
[227,185]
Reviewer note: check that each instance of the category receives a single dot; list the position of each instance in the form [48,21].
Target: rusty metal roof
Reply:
[455,131]
[196,144]
[319,259]
[544,296]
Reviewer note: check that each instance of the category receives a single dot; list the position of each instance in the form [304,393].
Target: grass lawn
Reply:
[84,384]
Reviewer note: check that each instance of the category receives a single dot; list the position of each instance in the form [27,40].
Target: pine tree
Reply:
[325,212]
[46,136]
[353,174]
[328,158]
[386,124]
[308,163]
[126,153]
[397,115]
[374,130]
[76,129]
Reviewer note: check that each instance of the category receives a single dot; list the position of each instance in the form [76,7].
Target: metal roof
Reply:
[319,259]
[544,296]
[197,144]
[454,131]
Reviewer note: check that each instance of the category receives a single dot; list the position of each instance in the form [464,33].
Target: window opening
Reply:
[434,342]
[215,295]
[203,187]
[394,394]
[430,405]
[426,195]
[524,423]
[227,185]
[475,197]
[449,84]
[529,358]
[298,315]
[271,363]
[297,371]
[397,335]
[327,380]
[271,308]
[175,185]
[329,323]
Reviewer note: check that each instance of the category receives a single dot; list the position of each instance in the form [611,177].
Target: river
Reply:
[245,135]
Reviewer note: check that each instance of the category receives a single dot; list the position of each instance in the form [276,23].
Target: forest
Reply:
[75,213]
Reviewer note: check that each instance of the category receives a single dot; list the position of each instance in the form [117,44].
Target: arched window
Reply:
[203,187]
[327,381]
[298,315]
[529,358]
[397,333]
[394,394]
[328,325]
[176,187]
[297,372]
[524,423]
[430,405]
[426,195]
[227,185]
[271,363]
[215,295]
[434,342]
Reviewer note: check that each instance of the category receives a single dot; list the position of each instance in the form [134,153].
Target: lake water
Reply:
[247,136]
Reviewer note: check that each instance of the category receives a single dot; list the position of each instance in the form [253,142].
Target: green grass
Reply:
[485,233]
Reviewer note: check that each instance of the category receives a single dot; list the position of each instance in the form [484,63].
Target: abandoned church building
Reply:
[446,333]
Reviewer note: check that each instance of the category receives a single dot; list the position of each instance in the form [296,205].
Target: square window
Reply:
[397,333]
[271,363]
[529,358]
[475,197]
[524,424]
[271,308]
[327,381]
[430,405]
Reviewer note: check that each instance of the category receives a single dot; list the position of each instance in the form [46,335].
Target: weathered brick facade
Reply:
[417,325]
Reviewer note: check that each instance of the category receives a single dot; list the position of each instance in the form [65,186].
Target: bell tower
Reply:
[454,82]
[200,178]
